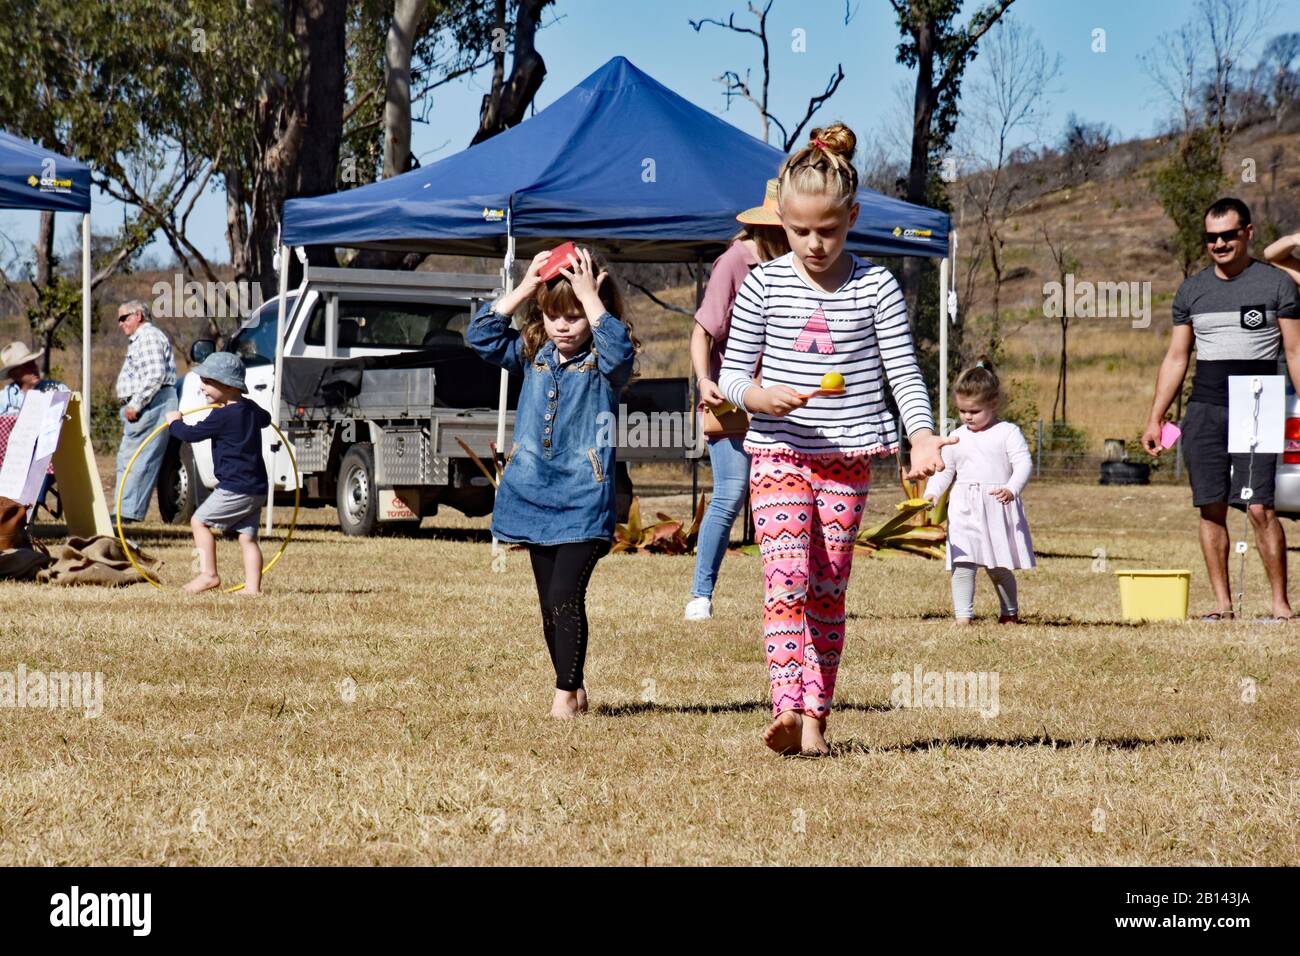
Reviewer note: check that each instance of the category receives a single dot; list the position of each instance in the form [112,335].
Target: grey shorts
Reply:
[1217,476]
[227,511]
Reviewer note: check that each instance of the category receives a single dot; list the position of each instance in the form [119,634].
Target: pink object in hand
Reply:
[1169,434]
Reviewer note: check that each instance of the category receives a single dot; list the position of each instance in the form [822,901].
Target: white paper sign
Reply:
[47,439]
[1246,420]
[31,443]
[22,445]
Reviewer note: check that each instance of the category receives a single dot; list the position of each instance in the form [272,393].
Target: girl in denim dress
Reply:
[556,494]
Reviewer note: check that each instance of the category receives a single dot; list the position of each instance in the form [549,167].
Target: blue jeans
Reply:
[144,473]
[730,486]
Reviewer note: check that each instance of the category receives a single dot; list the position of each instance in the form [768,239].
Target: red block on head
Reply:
[559,259]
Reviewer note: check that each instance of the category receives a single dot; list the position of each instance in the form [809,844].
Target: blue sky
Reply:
[1106,87]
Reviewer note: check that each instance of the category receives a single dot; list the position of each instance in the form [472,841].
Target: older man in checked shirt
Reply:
[146,389]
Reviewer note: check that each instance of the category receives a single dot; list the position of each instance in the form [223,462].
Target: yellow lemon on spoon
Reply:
[833,382]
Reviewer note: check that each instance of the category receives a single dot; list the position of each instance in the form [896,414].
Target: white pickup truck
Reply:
[378,386]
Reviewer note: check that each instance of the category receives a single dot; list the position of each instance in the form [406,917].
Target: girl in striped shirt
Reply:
[817,310]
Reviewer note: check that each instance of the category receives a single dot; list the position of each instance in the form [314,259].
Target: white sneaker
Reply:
[699,609]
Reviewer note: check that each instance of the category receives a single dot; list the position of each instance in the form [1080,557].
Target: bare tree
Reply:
[734,86]
[508,100]
[940,50]
[1006,105]
[1198,67]
[164,183]
[1083,146]
[1064,263]
[1283,83]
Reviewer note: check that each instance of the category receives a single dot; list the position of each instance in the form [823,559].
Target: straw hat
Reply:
[15,354]
[764,215]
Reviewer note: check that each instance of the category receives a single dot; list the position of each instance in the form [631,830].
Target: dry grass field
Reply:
[384,703]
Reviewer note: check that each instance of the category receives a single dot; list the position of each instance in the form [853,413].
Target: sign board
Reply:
[1246,420]
[85,509]
[31,444]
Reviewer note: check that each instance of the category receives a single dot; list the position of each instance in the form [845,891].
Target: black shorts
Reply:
[1217,476]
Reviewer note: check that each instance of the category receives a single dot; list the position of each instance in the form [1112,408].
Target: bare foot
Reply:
[245,592]
[784,734]
[962,622]
[814,737]
[204,582]
[582,700]
[565,705]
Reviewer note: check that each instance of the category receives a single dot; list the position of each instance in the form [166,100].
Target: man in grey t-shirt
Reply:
[1236,312]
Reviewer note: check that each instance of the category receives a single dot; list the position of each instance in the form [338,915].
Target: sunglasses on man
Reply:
[123,318]
[1228,235]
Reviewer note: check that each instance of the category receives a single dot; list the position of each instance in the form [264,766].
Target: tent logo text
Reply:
[922,234]
[493,215]
[50,184]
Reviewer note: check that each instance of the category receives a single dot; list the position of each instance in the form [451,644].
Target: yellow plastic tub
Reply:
[1154,595]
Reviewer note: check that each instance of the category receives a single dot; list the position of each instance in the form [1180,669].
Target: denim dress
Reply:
[558,483]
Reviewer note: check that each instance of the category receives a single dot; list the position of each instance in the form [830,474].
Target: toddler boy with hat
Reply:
[236,503]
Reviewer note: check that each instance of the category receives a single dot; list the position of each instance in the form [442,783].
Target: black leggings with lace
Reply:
[562,572]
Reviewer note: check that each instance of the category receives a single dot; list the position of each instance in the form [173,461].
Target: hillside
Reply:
[1115,228]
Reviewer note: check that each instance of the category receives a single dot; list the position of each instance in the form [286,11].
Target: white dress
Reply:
[981,529]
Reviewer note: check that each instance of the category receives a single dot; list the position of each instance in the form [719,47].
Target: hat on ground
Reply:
[764,215]
[15,354]
[224,367]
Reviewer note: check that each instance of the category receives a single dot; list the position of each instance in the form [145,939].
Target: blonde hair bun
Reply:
[837,138]
[823,167]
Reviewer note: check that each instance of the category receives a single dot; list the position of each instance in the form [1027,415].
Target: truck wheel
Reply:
[178,484]
[358,501]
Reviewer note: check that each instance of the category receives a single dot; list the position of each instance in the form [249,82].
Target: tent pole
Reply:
[507,286]
[943,344]
[279,371]
[85,324]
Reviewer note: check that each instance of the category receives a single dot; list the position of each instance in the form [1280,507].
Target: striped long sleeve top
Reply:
[801,333]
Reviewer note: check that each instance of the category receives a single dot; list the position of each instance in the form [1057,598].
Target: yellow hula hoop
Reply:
[293,522]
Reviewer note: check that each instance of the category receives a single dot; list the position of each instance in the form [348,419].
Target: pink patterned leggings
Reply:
[806,516]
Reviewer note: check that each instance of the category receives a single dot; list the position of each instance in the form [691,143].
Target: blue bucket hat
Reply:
[224,367]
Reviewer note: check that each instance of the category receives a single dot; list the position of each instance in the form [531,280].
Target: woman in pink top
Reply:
[987,469]
[761,240]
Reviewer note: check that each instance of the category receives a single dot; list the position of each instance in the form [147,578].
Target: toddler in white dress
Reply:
[987,469]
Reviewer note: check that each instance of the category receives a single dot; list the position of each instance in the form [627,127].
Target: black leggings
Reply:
[562,572]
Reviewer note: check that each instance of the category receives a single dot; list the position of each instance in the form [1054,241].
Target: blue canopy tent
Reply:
[32,177]
[620,161]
